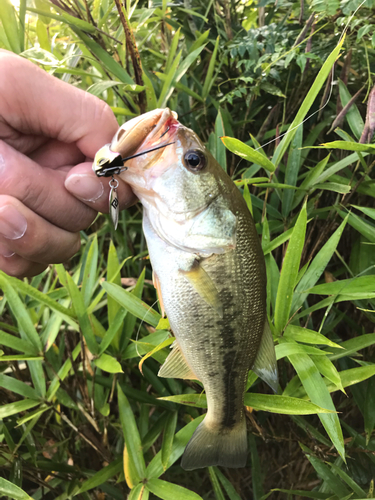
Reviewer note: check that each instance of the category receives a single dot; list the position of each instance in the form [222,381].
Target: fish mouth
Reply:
[150,130]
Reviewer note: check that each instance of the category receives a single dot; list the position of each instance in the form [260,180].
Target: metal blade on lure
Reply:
[113,202]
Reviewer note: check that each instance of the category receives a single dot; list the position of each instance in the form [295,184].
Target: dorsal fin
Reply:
[175,366]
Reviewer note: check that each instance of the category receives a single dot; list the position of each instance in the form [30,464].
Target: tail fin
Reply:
[208,447]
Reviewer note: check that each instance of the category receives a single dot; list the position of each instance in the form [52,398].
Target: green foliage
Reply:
[78,419]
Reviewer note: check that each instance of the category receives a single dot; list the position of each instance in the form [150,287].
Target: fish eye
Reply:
[195,160]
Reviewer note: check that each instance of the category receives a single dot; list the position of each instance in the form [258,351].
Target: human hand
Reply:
[49,130]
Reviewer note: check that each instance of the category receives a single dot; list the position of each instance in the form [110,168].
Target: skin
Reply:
[49,133]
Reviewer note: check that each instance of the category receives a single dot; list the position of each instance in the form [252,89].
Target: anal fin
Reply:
[265,365]
[175,366]
[204,286]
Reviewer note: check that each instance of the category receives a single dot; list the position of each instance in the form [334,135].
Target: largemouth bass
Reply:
[209,273]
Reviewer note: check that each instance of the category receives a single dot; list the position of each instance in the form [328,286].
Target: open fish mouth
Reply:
[145,132]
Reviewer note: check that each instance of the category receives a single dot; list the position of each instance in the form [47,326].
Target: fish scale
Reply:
[209,269]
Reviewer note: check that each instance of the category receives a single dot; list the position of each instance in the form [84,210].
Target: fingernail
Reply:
[13,225]
[5,251]
[84,186]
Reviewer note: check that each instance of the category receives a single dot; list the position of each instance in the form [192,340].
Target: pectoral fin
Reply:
[156,282]
[204,286]
[175,366]
[265,365]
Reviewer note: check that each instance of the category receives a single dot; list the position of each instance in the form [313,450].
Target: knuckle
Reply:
[18,267]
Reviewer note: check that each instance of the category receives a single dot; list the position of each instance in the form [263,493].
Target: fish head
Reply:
[172,170]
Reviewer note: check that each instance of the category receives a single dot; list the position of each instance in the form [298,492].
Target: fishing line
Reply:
[139,328]
[331,89]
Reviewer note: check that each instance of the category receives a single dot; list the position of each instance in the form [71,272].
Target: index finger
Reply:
[35,103]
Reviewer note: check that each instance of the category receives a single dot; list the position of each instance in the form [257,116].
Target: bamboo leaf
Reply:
[248,153]
[132,304]
[131,434]
[155,467]
[261,402]
[10,25]
[170,491]
[169,430]
[209,76]
[289,272]
[318,393]
[108,364]
[101,476]
[12,491]
[14,408]
[317,267]
[307,103]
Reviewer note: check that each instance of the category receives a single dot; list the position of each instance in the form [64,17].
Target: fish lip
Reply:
[167,135]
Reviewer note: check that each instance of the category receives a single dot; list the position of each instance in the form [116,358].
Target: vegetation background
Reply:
[78,418]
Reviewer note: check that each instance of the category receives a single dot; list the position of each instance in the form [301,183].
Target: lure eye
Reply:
[102,161]
[195,160]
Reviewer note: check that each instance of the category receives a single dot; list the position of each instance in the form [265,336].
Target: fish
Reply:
[209,273]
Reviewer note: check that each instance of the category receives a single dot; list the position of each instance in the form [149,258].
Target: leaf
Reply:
[209,80]
[284,405]
[317,267]
[221,154]
[10,25]
[348,146]
[290,348]
[308,336]
[101,476]
[89,272]
[108,364]
[349,286]
[155,467]
[323,471]
[289,272]
[12,491]
[132,304]
[215,484]
[131,434]
[112,330]
[353,116]
[169,430]
[27,328]
[361,225]
[140,492]
[13,408]
[231,492]
[307,103]
[170,491]
[292,169]
[318,393]
[158,348]
[8,340]
[248,153]
[83,318]
[367,211]
[17,386]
